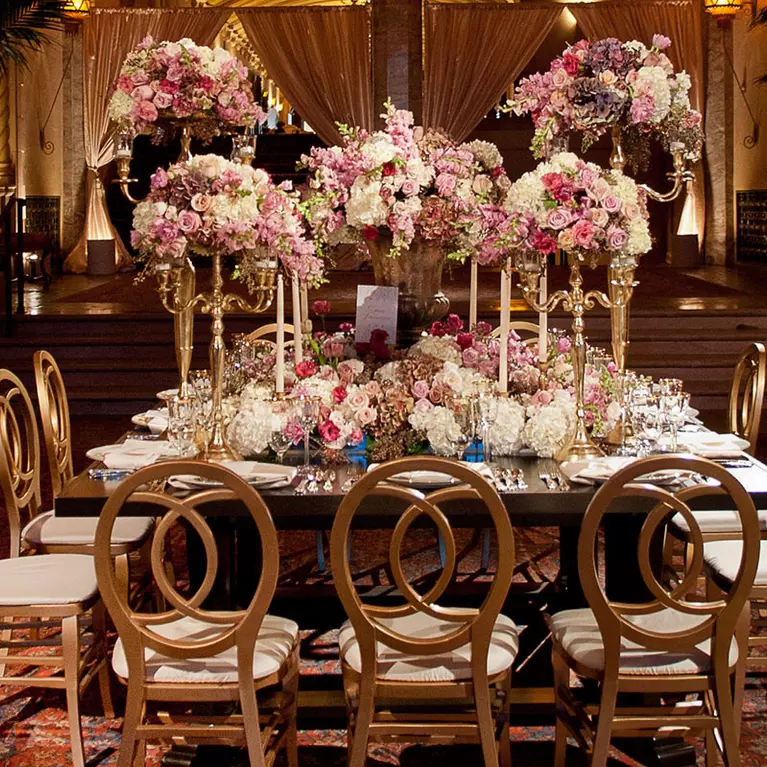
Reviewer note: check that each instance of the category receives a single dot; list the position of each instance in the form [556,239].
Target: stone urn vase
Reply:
[417,272]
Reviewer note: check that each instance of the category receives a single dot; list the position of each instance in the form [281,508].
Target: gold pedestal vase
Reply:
[417,272]
[216,303]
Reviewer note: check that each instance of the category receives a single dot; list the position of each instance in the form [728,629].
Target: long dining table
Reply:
[539,504]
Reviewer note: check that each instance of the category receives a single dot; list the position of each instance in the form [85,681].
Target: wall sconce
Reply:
[724,10]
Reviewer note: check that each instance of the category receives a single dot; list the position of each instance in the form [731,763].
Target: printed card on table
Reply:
[376,309]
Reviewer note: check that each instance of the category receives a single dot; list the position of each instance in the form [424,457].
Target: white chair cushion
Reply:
[723,557]
[47,579]
[447,667]
[48,530]
[578,634]
[275,641]
[726,521]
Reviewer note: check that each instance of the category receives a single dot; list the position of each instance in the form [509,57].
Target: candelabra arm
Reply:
[594,296]
[681,176]
[124,179]
[168,287]
[528,281]
[263,302]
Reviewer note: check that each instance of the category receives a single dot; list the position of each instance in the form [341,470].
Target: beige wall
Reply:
[750,61]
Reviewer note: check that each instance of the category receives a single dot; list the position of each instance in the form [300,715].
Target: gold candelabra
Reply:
[580,446]
[177,298]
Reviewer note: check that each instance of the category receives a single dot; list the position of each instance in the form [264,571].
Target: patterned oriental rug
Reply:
[33,722]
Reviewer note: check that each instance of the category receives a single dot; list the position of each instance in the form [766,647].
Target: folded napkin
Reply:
[423,477]
[596,469]
[134,454]
[709,444]
[156,420]
[254,472]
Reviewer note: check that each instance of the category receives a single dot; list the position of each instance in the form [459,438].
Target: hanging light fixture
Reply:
[723,10]
[77,10]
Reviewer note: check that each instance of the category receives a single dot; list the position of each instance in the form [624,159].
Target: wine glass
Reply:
[487,414]
[646,418]
[307,411]
[280,439]
[673,409]
[183,415]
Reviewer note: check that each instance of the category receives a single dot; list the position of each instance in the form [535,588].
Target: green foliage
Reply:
[23,27]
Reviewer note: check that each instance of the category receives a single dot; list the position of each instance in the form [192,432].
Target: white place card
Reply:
[376,309]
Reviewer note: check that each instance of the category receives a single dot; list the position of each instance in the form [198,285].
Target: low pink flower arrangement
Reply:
[402,183]
[592,87]
[182,81]
[580,208]
[211,205]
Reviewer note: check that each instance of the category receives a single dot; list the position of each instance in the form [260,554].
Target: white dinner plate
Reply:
[131,447]
[166,394]
[432,479]
[253,472]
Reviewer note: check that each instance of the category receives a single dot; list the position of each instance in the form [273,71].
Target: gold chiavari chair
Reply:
[528,331]
[45,532]
[398,660]
[44,598]
[262,334]
[666,647]
[745,413]
[191,654]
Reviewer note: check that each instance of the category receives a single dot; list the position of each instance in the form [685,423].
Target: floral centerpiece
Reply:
[596,86]
[182,81]
[211,205]
[580,208]
[403,183]
[401,402]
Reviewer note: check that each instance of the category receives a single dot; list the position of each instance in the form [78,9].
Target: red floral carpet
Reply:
[33,722]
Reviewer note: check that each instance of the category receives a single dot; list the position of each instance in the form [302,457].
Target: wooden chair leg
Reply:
[504,744]
[291,735]
[604,727]
[5,637]
[70,648]
[485,722]
[250,722]
[363,718]
[712,750]
[724,707]
[561,682]
[739,673]
[99,617]
[485,563]
[122,574]
[134,716]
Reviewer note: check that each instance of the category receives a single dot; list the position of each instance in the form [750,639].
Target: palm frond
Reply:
[760,18]
[23,27]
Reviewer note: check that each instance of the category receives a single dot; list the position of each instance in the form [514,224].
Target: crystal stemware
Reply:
[673,409]
[486,416]
[281,437]
[646,419]
[183,415]
[307,411]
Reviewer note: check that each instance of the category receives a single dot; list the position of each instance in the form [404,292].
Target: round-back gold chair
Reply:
[666,646]
[422,650]
[527,331]
[44,531]
[192,653]
[263,334]
[41,592]
[747,394]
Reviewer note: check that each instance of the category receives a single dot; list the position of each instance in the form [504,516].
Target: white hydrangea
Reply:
[379,148]
[440,427]
[653,81]
[485,152]
[120,105]
[365,206]
[505,433]
[249,431]
[548,427]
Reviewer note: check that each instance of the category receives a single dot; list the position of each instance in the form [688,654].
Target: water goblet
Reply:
[487,414]
[280,438]
[670,386]
[673,409]
[183,415]
[307,410]
[647,421]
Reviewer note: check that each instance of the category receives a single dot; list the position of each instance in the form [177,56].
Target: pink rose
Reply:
[329,431]
[159,179]
[163,100]
[201,202]
[321,307]
[423,406]
[142,93]
[583,233]
[139,78]
[616,238]
[145,111]
[464,340]
[453,323]
[599,189]
[175,250]
[560,78]
[365,416]
[306,368]
[372,388]
[420,389]
[563,345]
[356,437]
[599,217]
[631,211]
[346,327]
[339,394]
[481,185]
[470,357]
[558,218]
[189,221]
[358,400]
[612,203]
[409,187]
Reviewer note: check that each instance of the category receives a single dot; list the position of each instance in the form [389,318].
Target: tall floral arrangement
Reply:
[182,81]
[592,87]
[580,208]
[210,205]
[403,183]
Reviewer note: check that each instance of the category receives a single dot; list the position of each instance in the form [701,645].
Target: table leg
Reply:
[571,593]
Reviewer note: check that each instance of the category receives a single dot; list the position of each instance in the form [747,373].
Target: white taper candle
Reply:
[543,318]
[279,367]
[503,365]
[473,294]
[297,327]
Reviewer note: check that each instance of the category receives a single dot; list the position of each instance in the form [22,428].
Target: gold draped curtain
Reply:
[108,36]
[682,22]
[320,59]
[472,53]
